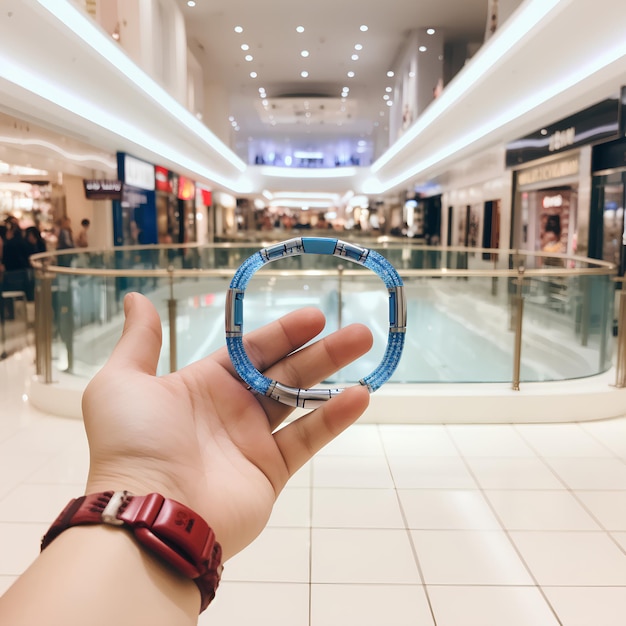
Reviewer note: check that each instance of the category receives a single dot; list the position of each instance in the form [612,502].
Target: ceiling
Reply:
[332,29]
[63,80]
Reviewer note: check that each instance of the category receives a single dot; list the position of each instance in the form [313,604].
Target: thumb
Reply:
[140,344]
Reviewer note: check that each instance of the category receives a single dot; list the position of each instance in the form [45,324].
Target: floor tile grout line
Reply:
[571,490]
[408,532]
[505,529]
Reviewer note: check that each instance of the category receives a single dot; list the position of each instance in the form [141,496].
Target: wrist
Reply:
[167,529]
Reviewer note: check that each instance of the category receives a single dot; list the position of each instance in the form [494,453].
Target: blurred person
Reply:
[82,239]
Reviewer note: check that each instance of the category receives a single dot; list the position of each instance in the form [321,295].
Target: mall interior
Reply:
[479,146]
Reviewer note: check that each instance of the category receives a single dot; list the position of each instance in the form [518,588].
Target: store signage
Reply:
[103,189]
[186,188]
[137,173]
[562,139]
[162,179]
[599,122]
[548,171]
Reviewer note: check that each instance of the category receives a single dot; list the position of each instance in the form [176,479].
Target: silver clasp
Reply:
[117,501]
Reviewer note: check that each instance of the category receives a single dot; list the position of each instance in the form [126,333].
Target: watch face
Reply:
[311,398]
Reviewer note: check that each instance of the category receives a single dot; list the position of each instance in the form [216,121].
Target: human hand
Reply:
[198,435]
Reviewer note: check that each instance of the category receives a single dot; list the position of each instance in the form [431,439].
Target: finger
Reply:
[140,344]
[267,345]
[306,436]
[314,363]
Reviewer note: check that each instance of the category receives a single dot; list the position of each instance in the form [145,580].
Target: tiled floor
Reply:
[463,525]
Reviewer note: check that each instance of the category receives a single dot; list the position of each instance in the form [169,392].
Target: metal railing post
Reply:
[620,363]
[45,313]
[340,270]
[518,302]
[172,313]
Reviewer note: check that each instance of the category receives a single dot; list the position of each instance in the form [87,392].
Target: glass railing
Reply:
[474,315]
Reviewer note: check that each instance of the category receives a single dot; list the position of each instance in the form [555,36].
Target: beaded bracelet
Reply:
[311,398]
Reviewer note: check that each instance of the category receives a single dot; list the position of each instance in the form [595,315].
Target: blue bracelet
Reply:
[311,398]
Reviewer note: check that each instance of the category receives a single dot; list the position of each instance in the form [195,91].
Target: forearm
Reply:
[99,576]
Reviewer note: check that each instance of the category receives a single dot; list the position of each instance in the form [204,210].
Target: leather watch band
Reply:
[169,529]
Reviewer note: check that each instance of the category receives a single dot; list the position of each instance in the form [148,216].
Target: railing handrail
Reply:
[43,261]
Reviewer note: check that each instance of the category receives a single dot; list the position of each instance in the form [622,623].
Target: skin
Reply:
[197,436]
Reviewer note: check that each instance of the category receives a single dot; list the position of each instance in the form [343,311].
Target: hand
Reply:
[198,435]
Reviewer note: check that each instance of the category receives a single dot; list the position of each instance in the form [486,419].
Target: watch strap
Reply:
[169,529]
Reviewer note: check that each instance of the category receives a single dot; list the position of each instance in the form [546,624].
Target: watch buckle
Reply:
[117,501]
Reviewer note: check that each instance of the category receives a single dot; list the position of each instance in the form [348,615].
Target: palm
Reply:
[199,436]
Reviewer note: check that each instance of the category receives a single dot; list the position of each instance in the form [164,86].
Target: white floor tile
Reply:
[566,440]
[292,508]
[468,557]
[450,509]
[359,440]
[611,433]
[302,478]
[276,555]
[356,508]
[430,473]
[588,606]
[498,440]
[590,473]
[608,507]
[258,603]
[362,556]
[620,538]
[490,606]
[37,503]
[351,471]
[417,440]
[513,474]
[67,467]
[540,510]
[369,605]
[572,558]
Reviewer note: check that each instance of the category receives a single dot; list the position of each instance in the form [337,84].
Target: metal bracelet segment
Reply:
[312,398]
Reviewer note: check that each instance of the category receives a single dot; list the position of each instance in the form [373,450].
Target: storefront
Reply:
[134,216]
[607,237]
[551,183]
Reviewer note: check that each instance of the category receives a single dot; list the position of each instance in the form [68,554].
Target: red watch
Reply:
[168,528]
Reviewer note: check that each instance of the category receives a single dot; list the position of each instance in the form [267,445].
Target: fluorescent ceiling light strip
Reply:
[498,46]
[305,195]
[40,87]
[582,73]
[306,173]
[84,28]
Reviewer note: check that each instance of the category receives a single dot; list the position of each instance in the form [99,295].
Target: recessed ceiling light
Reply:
[249,57]
[389,103]
[363,28]
[304,74]
[253,74]
[238,29]
[422,48]
[430,31]
[350,74]
[355,57]
[191,3]
[304,53]
[245,46]
[390,74]
[388,89]
[358,46]
[300,29]
[386,97]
